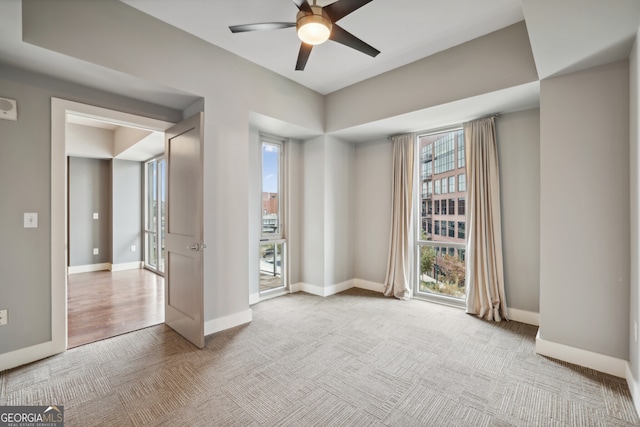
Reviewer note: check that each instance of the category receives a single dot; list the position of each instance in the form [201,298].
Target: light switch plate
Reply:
[30,220]
[95,215]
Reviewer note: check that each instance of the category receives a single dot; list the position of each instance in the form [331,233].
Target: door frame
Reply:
[59,199]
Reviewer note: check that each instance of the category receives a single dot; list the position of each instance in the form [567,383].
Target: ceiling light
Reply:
[313,28]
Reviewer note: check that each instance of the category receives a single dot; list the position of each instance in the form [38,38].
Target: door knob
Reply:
[194,247]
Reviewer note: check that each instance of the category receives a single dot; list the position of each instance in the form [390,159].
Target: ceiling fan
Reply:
[315,25]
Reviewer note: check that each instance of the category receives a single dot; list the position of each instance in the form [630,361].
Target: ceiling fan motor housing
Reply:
[317,24]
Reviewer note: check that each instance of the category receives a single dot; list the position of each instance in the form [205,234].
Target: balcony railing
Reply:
[426,157]
[425,176]
[426,195]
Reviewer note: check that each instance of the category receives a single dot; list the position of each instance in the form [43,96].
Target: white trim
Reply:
[227,322]
[26,355]
[634,387]
[322,291]
[254,298]
[127,266]
[588,359]
[88,268]
[522,316]
[370,286]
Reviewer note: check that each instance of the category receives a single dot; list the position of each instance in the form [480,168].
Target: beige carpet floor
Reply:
[352,359]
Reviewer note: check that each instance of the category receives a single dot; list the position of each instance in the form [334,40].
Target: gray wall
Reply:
[312,263]
[25,267]
[127,202]
[496,61]
[518,137]
[518,149]
[372,212]
[89,193]
[584,210]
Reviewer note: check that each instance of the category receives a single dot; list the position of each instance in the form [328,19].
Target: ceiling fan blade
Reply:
[340,35]
[263,26]
[303,5]
[303,55]
[342,8]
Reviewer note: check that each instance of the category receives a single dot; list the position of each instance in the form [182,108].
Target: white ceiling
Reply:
[565,36]
[403,30]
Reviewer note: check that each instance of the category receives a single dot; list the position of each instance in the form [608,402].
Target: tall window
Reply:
[440,259]
[271,194]
[154,223]
[272,243]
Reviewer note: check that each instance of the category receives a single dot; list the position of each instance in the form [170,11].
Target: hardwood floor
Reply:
[104,304]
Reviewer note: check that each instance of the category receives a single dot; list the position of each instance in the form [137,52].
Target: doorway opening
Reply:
[108,292]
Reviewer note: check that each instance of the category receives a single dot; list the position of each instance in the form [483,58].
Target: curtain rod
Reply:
[444,129]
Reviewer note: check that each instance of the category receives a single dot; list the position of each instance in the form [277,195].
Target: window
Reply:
[271,200]
[461,254]
[273,246]
[444,152]
[462,182]
[440,271]
[461,208]
[461,161]
[424,190]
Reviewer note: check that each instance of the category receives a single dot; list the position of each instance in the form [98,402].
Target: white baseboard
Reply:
[588,359]
[370,286]
[321,291]
[634,387]
[30,354]
[227,322]
[522,316]
[88,268]
[127,266]
[254,298]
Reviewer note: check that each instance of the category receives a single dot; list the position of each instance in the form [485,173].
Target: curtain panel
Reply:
[485,274]
[398,281]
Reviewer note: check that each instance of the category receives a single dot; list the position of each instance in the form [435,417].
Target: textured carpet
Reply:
[352,359]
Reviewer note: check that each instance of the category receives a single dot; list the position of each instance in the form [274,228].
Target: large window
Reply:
[272,242]
[440,259]
[154,218]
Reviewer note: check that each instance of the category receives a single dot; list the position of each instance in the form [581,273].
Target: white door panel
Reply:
[184,306]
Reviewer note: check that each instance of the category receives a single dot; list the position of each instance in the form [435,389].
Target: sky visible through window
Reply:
[270,158]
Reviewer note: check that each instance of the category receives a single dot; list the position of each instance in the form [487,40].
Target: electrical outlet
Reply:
[95,215]
[95,251]
[133,248]
[4,317]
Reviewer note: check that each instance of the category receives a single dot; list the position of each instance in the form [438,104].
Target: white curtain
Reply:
[398,279]
[485,275]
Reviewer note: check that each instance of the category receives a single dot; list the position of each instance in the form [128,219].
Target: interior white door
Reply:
[184,306]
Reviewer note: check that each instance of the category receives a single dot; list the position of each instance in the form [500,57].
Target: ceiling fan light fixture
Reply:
[313,28]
